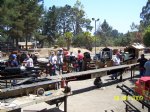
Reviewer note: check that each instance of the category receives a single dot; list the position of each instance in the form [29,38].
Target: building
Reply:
[22,45]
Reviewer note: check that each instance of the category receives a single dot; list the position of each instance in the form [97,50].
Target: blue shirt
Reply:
[14,63]
[147,67]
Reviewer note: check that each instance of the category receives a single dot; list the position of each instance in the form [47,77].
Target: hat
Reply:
[61,49]
[14,56]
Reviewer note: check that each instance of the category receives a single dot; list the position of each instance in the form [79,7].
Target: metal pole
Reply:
[95,37]
[95,20]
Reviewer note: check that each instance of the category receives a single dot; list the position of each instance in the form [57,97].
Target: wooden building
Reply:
[135,49]
[22,45]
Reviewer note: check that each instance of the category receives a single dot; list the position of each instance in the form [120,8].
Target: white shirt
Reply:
[116,61]
[52,59]
[29,62]
[60,57]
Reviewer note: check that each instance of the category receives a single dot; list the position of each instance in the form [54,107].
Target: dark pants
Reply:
[142,72]
[80,62]
[52,70]
[60,68]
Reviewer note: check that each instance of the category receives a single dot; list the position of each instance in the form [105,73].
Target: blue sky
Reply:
[118,13]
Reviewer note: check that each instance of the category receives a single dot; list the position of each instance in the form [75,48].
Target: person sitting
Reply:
[13,61]
[28,61]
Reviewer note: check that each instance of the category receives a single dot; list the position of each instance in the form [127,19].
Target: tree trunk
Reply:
[26,42]
[17,43]
[68,45]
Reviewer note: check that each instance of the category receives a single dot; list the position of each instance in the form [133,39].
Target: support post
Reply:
[65,104]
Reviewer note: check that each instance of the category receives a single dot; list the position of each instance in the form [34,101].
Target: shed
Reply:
[135,49]
[22,45]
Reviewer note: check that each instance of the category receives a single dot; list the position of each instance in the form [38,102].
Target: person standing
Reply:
[147,68]
[80,60]
[52,61]
[116,62]
[142,61]
[60,56]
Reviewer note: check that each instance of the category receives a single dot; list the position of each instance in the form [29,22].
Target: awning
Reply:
[24,43]
[138,46]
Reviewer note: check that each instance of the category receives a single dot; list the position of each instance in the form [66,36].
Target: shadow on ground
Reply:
[112,82]
[45,110]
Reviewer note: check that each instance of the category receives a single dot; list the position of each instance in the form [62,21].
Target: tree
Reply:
[145,14]
[79,20]
[31,13]
[50,24]
[89,40]
[59,20]
[20,18]
[104,31]
[61,42]
[134,27]
[114,33]
[9,11]
[84,39]
[146,37]
[68,36]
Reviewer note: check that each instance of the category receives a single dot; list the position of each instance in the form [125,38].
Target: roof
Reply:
[145,78]
[138,46]
[24,43]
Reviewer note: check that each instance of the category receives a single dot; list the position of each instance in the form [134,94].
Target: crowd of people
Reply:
[21,59]
[144,64]
[61,61]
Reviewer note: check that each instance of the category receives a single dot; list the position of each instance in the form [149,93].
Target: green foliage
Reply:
[68,37]
[145,14]
[146,38]
[20,19]
[60,20]
[61,42]
[84,39]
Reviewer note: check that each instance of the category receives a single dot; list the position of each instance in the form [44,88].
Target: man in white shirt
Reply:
[116,62]
[28,61]
[60,62]
[52,61]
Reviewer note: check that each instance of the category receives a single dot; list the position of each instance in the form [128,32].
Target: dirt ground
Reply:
[88,98]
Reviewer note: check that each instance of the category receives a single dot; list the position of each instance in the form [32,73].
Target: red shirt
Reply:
[80,56]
